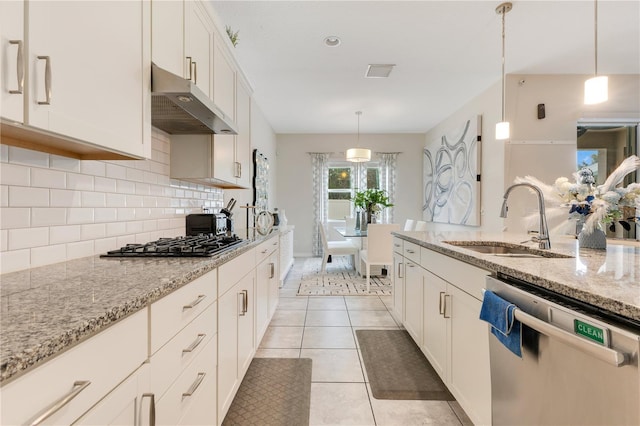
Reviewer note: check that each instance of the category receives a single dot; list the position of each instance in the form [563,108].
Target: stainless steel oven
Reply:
[578,366]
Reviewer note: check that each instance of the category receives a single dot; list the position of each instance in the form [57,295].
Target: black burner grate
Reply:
[190,246]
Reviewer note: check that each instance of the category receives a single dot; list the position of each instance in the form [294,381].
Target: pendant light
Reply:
[596,89]
[502,128]
[357,154]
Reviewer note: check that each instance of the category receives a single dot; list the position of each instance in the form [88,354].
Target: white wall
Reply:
[264,140]
[539,147]
[503,161]
[295,184]
[486,104]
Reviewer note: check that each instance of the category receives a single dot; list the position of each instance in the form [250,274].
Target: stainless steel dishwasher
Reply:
[579,366]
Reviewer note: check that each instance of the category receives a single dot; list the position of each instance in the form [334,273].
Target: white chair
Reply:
[379,247]
[420,226]
[350,222]
[336,248]
[409,224]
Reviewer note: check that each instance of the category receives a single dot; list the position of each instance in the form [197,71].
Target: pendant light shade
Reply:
[596,89]
[502,128]
[358,155]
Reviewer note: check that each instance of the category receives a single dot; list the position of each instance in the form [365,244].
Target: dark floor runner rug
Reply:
[274,392]
[397,369]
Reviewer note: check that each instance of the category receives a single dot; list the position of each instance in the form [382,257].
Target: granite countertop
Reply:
[608,279]
[48,309]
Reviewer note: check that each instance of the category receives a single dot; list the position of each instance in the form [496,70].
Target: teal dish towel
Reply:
[500,314]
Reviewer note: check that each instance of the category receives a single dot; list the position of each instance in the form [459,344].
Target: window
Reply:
[342,184]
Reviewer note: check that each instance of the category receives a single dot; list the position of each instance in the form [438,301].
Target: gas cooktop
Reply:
[203,245]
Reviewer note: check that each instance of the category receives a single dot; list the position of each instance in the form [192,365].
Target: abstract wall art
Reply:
[451,175]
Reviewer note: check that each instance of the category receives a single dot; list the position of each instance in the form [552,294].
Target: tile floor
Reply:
[323,328]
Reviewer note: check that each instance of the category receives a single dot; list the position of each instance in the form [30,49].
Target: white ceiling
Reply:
[446,52]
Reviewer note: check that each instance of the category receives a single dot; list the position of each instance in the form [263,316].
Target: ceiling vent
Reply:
[379,70]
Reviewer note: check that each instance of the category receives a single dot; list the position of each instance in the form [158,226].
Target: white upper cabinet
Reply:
[87,73]
[243,139]
[224,80]
[199,46]
[12,64]
[167,36]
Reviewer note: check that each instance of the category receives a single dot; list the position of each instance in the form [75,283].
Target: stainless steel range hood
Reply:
[179,107]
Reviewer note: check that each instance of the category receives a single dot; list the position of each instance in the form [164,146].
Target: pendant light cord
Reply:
[595,33]
[504,12]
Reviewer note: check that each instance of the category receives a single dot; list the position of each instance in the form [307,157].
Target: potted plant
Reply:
[371,201]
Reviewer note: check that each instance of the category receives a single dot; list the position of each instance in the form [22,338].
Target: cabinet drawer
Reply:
[175,356]
[191,400]
[397,245]
[467,277]
[172,313]
[265,249]
[411,251]
[104,360]
[233,271]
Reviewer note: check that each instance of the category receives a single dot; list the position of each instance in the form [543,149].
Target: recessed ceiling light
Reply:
[332,41]
[379,70]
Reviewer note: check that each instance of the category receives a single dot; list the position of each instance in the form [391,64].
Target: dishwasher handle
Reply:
[610,356]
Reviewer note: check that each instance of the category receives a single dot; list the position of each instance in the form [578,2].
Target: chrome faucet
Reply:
[543,234]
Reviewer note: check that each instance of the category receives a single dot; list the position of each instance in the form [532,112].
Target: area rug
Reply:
[274,392]
[397,369]
[340,279]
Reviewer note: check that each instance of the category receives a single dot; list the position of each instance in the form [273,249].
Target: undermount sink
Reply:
[500,248]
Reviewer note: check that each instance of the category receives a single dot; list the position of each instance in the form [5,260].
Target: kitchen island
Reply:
[606,279]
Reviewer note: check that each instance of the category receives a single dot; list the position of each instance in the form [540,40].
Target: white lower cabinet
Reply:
[413,290]
[190,400]
[442,300]
[183,358]
[398,287]
[456,342]
[90,370]
[286,252]
[267,286]
[435,322]
[127,404]
[236,316]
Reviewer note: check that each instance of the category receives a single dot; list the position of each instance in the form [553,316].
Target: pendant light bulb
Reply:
[358,155]
[596,89]
[502,128]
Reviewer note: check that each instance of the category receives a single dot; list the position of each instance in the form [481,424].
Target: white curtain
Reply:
[320,182]
[388,166]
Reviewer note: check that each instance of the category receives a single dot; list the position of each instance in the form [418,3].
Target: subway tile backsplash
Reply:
[55,208]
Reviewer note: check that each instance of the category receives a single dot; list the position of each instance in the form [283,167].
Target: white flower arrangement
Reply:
[603,204]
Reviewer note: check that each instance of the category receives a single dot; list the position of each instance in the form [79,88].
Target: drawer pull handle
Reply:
[78,387]
[194,303]
[273,270]
[47,80]
[396,245]
[195,343]
[152,407]
[194,386]
[19,68]
[263,251]
[410,251]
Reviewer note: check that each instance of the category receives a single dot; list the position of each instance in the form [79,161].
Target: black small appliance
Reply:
[206,223]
